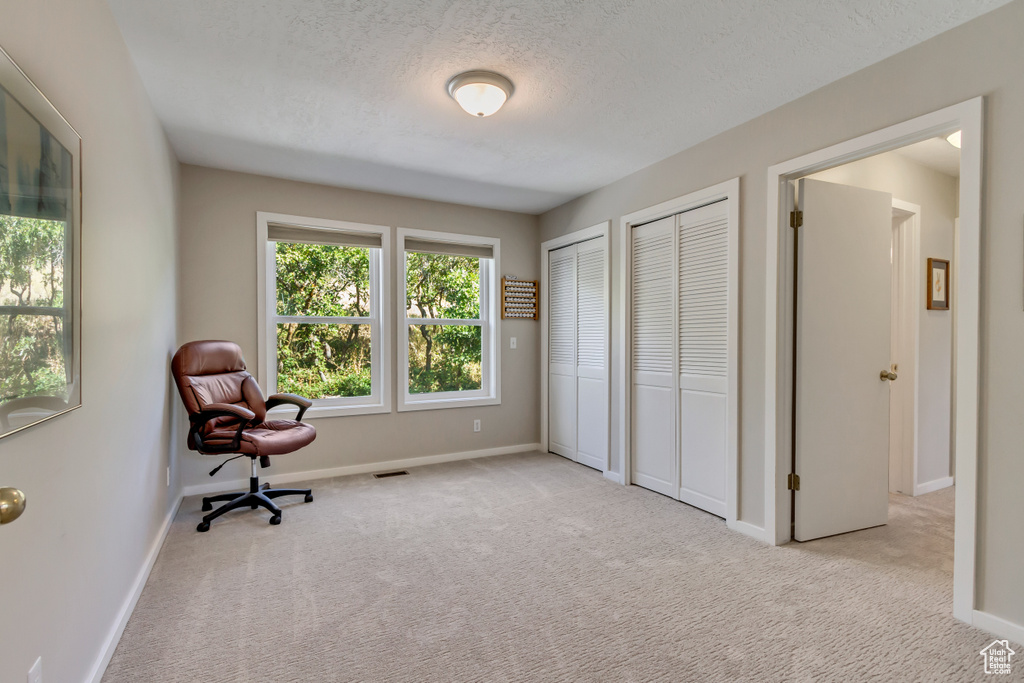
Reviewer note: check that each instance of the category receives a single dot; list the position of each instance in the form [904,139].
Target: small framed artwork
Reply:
[938,284]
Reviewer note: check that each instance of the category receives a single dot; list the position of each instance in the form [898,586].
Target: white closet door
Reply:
[591,373]
[703,357]
[562,351]
[653,404]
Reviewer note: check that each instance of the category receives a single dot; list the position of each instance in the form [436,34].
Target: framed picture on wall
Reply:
[40,256]
[938,284]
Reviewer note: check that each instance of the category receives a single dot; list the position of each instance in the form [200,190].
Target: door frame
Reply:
[967,117]
[729,191]
[601,230]
[907,317]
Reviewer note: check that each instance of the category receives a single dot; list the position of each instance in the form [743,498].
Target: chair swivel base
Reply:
[257,496]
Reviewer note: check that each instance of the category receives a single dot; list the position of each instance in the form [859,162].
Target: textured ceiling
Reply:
[351,93]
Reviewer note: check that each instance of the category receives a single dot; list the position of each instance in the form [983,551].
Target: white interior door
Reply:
[591,371]
[703,408]
[654,461]
[562,427]
[842,346]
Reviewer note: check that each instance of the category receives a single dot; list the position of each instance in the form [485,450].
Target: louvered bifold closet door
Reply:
[653,349]
[562,351]
[591,370]
[703,245]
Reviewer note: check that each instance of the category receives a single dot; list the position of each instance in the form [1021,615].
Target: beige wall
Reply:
[982,57]
[218,301]
[936,194]
[95,478]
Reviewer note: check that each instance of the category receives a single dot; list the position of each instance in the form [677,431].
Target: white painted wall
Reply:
[937,195]
[982,57]
[218,301]
[94,479]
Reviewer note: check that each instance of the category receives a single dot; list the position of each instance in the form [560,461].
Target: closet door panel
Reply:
[591,373]
[703,245]
[562,352]
[702,425]
[653,328]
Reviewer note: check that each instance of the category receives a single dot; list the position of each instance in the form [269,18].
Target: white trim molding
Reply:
[114,635]
[933,485]
[728,191]
[998,626]
[379,320]
[489,322]
[968,118]
[347,470]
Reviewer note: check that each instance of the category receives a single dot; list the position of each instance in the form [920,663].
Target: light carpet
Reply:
[531,568]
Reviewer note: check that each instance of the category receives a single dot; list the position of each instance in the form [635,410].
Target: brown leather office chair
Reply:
[228,415]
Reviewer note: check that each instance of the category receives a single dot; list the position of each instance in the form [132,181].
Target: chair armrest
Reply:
[293,399]
[214,410]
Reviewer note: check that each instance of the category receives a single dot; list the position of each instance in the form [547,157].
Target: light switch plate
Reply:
[512,342]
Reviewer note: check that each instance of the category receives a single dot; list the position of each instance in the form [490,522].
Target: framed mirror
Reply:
[40,256]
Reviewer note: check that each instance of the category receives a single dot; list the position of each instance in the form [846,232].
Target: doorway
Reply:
[781,418]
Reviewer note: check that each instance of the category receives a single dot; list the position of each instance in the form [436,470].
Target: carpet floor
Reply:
[531,568]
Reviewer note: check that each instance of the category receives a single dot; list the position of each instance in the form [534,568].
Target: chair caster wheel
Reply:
[275,520]
[203,526]
[309,497]
[207,506]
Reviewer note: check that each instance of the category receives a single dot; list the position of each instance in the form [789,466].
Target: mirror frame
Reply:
[21,88]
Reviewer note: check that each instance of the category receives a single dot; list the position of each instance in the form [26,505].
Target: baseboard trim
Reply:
[345,470]
[933,485]
[613,476]
[114,637]
[746,528]
[998,626]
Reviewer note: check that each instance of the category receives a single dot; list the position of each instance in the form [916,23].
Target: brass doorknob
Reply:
[12,504]
[887,375]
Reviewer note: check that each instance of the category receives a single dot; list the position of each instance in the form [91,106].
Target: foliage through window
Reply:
[319,358]
[446,354]
[448,328]
[321,313]
[32,312]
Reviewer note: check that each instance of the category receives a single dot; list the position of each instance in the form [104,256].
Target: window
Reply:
[322,323]
[448,335]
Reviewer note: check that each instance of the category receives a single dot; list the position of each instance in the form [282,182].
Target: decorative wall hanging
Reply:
[519,298]
[40,256]
[938,284]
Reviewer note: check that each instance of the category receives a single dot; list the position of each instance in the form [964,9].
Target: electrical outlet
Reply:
[476,425]
[512,343]
[35,674]
[168,475]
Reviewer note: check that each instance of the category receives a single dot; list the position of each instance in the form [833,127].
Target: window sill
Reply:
[316,412]
[442,403]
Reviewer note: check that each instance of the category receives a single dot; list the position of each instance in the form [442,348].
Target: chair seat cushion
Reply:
[273,437]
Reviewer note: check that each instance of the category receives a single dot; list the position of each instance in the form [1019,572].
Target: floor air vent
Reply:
[382,475]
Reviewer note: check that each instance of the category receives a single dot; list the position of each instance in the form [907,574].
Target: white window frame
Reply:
[490,356]
[379,400]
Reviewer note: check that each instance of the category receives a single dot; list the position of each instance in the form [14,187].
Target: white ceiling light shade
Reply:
[480,93]
[954,139]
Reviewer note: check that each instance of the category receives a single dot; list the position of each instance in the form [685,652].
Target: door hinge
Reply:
[793,482]
[796,219]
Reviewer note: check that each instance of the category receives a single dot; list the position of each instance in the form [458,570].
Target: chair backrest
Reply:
[214,372]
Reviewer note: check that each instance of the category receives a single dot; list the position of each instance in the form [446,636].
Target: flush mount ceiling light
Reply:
[954,139]
[480,93]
